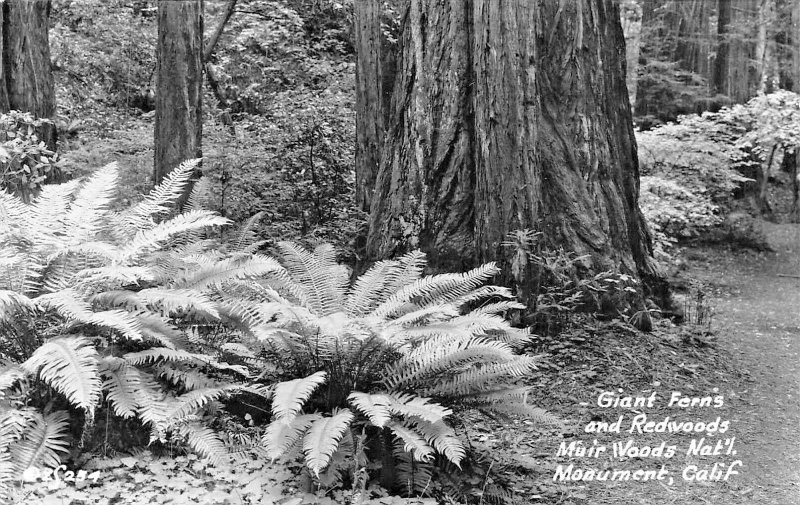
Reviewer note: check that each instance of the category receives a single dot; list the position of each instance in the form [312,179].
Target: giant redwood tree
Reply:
[26,77]
[179,84]
[507,116]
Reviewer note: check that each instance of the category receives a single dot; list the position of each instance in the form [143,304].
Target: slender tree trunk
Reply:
[26,74]
[179,84]
[369,98]
[508,116]
[795,36]
[722,60]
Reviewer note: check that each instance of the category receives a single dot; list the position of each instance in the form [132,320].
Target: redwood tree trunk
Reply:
[722,61]
[26,74]
[369,98]
[795,37]
[179,84]
[509,116]
[587,150]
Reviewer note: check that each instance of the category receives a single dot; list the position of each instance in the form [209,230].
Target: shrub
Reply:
[98,304]
[144,310]
[25,161]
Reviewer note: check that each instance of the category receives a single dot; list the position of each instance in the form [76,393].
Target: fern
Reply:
[289,396]
[43,441]
[323,437]
[70,366]
[280,436]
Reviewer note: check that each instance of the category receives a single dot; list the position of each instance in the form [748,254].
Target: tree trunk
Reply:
[795,36]
[722,60]
[26,74]
[631,17]
[734,76]
[587,150]
[510,116]
[369,98]
[179,84]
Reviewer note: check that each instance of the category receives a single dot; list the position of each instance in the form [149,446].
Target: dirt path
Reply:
[758,322]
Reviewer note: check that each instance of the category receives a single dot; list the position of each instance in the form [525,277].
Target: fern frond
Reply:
[70,305]
[477,379]
[413,442]
[189,379]
[322,439]
[151,239]
[280,436]
[204,441]
[523,411]
[324,281]
[44,438]
[498,307]
[156,354]
[170,301]
[414,406]
[11,301]
[121,383]
[86,213]
[290,396]
[160,200]
[70,366]
[443,439]
[189,403]
[442,288]
[374,406]
[245,239]
[228,270]
[442,355]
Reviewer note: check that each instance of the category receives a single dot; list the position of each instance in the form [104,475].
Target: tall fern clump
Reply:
[105,306]
[392,355]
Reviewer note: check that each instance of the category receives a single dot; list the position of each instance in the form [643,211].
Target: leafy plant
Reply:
[25,161]
[393,353]
[98,306]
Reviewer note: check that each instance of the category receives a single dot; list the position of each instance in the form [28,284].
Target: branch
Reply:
[212,42]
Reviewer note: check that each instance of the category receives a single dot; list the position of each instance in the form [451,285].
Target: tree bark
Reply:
[587,150]
[795,36]
[509,116]
[27,79]
[631,17]
[369,98]
[722,60]
[179,84]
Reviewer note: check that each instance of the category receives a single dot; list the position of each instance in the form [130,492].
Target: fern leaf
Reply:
[70,366]
[413,443]
[204,441]
[121,383]
[9,375]
[189,403]
[170,301]
[415,406]
[84,218]
[280,436]
[228,270]
[324,281]
[442,288]
[322,439]
[70,304]
[44,439]
[246,238]
[374,406]
[443,439]
[290,396]
[162,197]
[152,239]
